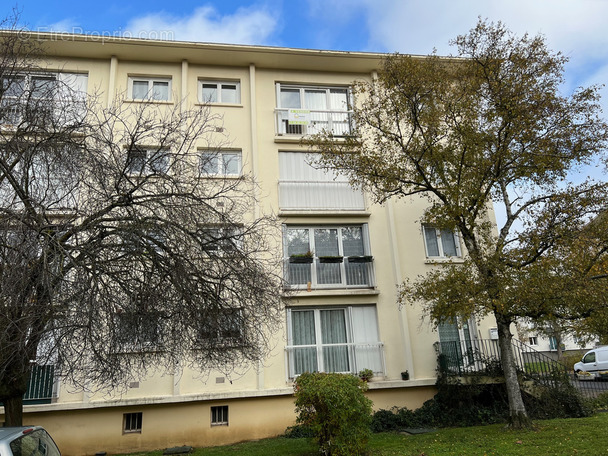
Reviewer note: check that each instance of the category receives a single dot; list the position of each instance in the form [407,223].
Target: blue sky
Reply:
[575,27]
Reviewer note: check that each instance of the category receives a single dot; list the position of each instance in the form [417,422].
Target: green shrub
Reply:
[601,401]
[299,431]
[334,407]
[571,358]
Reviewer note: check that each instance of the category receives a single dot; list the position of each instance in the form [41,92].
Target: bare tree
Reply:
[119,252]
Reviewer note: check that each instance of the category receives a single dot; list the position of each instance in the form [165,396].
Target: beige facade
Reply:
[379,246]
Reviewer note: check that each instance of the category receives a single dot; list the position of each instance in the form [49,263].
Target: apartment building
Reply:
[343,256]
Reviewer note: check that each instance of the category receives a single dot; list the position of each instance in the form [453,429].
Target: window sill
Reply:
[330,212]
[155,102]
[303,293]
[444,261]
[296,139]
[221,105]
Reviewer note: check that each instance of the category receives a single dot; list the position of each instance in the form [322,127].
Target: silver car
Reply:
[27,441]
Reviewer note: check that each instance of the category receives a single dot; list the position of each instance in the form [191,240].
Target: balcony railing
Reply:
[40,385]
[321,195]
[334,272]
[315,121]
[342,358]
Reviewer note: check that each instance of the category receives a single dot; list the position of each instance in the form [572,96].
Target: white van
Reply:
[594,361]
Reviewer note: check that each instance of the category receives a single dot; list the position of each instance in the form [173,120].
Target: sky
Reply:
[577,28]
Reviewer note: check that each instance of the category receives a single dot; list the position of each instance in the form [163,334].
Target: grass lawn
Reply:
[542,366]
[578,436]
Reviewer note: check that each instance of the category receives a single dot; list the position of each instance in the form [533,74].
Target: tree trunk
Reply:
[518,417]
[13,410]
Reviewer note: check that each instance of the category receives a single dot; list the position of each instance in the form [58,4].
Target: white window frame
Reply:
[350,343]
[302,88]
[219,415]
[533,340]
[317,259]
[220,162]
[147,169]
[219,85]
[440,247]
[150,94]
[228,238]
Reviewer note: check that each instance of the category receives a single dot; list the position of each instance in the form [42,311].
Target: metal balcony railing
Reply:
[340,357]
[337,122]
[40,385]
[320,195]
[334,272]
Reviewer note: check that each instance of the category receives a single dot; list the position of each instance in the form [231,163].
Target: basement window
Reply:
[131,423]
[219,415]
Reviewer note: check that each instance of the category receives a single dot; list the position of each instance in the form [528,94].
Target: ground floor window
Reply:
[336,339]
[219,415]
[131,422]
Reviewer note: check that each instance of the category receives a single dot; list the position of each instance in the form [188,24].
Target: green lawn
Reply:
[578,436]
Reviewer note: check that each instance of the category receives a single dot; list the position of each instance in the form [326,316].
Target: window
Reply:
[221,163]
[28,97]
[303,187]
[139,324]
[441,243]
[340,339]
[222,327]
[147,161]
[220,238]
[220,92]
[219,415]
[138,330]
[589,358]
[533,340]
[311,109]
[131,422]
[328,256]
[43,97]
[155,89]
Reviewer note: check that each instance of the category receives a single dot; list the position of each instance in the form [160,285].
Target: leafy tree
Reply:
[487,126]
[335,408]
[117,256]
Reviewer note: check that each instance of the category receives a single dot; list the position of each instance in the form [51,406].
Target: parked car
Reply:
[594,362]
[27,441]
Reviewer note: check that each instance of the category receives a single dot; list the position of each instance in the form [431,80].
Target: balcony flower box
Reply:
[301,258]
[360,259]
[331,259]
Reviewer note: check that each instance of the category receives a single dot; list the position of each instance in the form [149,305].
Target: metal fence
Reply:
[40,385]
[482,357]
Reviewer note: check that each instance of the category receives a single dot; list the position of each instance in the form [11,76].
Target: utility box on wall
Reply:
[493,333]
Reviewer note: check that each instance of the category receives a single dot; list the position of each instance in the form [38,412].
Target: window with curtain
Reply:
[441,243]
[343,339]
[302,186]
[328,256]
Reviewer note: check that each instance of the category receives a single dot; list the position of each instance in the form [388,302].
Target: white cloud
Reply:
[245,26]
[577,27]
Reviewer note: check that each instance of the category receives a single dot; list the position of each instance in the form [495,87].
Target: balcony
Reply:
[341,357]
[302,122]
[319,195]
[330,272]
[40,385]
